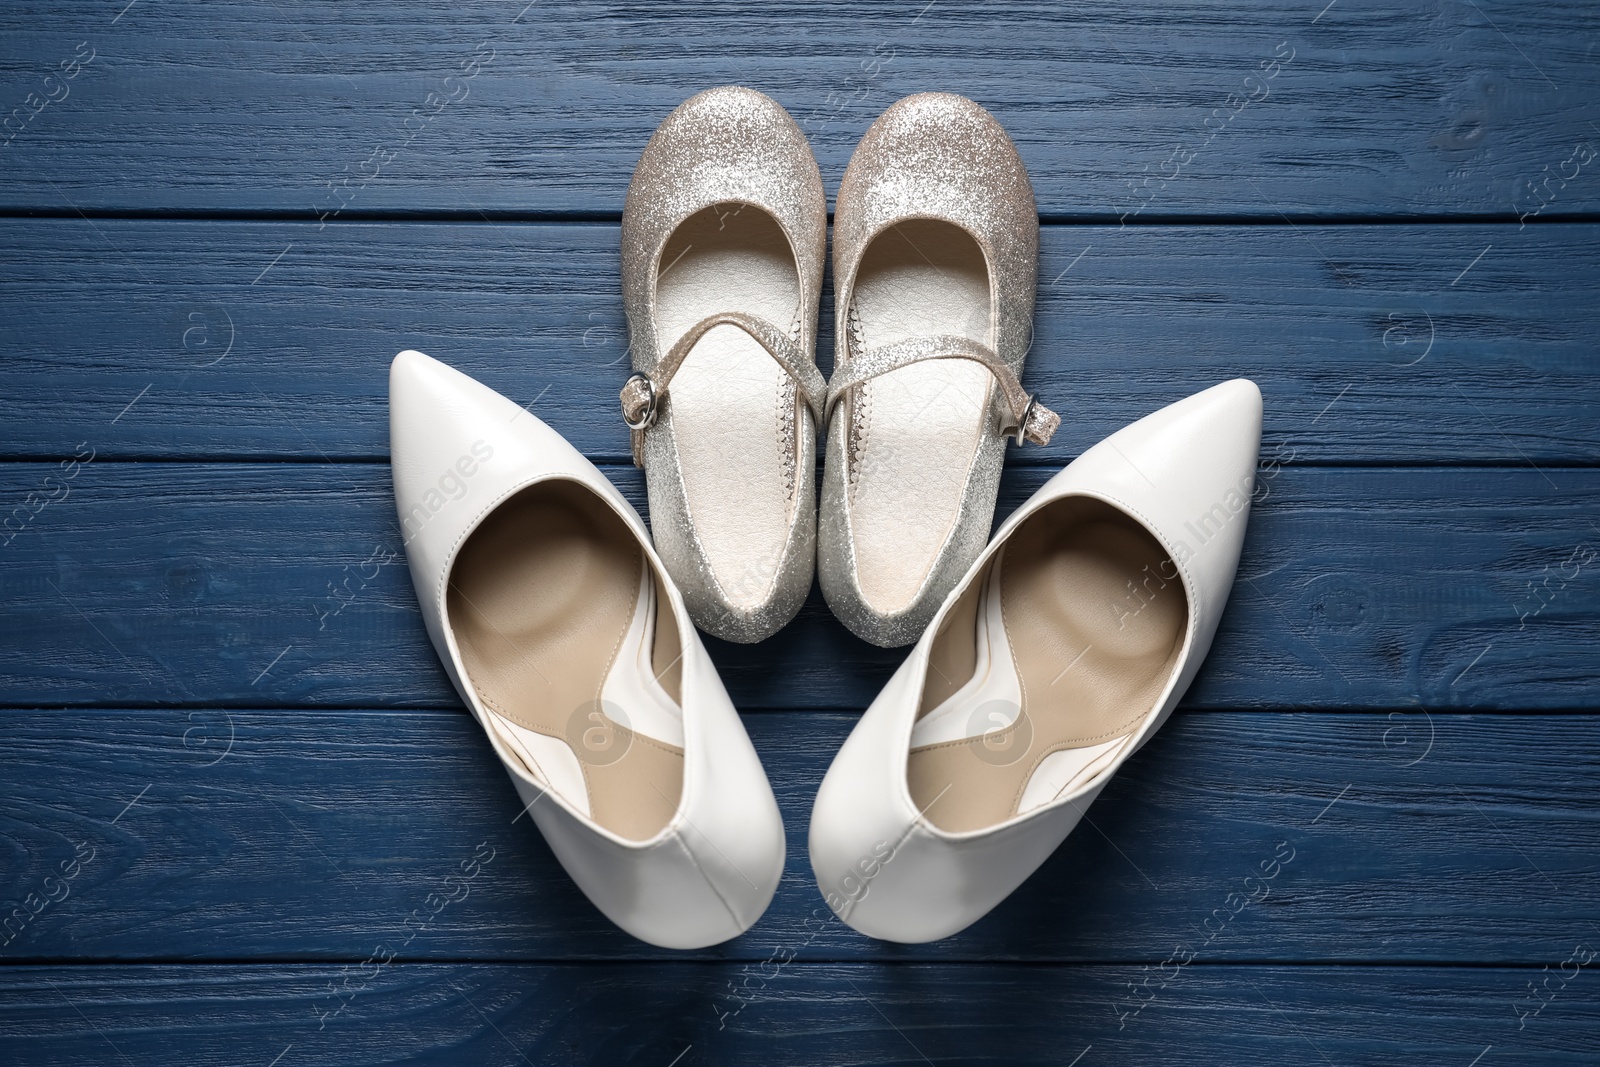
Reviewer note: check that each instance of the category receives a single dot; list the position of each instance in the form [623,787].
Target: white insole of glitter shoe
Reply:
[916,430]
[733,407]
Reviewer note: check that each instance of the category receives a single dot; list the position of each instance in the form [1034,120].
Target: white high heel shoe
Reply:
[1061,652]
[561,630]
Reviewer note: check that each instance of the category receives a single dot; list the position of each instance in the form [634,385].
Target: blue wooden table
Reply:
[232,773]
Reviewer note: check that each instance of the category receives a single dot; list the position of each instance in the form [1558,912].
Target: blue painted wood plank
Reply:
[1267,108]
[296,835]
[1372,344]
[296,784]
[231,585]
[680,1015]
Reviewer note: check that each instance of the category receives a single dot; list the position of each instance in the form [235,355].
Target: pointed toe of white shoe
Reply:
[560,629]
[1061,652]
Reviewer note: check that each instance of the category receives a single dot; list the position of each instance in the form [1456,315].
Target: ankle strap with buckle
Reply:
[643,394]
[1030,420]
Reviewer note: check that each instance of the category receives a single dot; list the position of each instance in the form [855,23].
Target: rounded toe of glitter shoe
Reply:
[1060,653]
[557,625]
[935,252]
[723,239]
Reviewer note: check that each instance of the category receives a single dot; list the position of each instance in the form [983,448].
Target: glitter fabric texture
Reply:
[727,146]
[930,156]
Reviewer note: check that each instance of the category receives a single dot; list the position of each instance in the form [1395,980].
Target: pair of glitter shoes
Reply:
[935,250]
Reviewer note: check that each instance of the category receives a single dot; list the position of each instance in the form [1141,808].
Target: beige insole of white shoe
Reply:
[1095,626]
[540,599]
[733,406]
[917,429]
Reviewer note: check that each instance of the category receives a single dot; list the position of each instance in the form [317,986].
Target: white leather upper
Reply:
[458,450]
[1186,473]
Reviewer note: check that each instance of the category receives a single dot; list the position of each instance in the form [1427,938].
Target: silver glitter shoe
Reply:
[723,238]
[935,252]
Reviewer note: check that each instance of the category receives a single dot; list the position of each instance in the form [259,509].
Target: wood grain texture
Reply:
[242,817]
[1381,108]
[273,834]
[837,1014]
[1400,344]
[231,585]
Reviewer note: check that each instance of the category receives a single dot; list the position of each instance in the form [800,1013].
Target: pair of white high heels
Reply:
[1059,653]
[1047,659]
